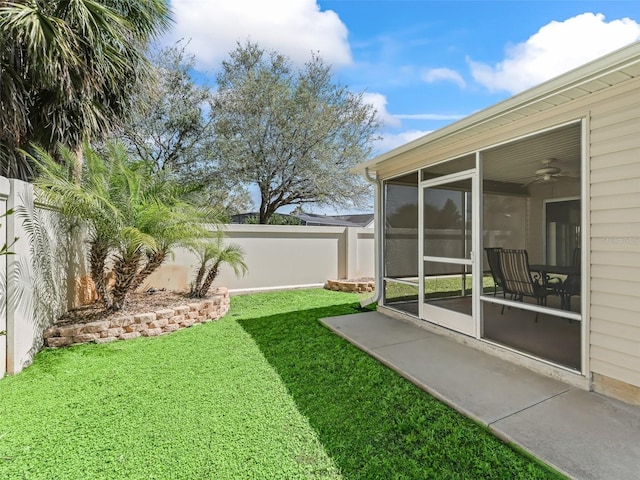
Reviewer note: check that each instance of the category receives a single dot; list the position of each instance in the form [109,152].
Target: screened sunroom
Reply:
[516,229]
[489,244]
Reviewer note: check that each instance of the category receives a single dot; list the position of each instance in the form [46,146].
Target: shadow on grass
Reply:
[372,422]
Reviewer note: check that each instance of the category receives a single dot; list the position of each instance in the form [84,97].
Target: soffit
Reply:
[516,162]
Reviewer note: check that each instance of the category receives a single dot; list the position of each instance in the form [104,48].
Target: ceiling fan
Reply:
[548,173]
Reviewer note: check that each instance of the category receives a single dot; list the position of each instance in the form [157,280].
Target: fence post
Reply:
[352,252]
[5,190]
[21,334]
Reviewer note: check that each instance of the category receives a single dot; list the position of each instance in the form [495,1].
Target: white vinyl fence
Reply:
[33,276]
[281,257]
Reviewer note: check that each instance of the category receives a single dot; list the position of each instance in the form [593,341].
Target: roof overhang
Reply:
[609,70]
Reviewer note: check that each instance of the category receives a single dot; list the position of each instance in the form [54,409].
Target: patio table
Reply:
[545,270]
[566,270]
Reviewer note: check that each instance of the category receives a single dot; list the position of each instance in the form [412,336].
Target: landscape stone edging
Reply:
[350,286]
[148,324]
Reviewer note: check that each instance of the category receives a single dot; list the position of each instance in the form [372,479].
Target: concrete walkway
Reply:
[582,434]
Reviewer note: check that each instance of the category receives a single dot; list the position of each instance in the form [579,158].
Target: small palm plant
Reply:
[133,217]
[212,255]
[173,222]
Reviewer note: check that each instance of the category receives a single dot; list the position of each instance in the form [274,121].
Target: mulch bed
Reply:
[136,303]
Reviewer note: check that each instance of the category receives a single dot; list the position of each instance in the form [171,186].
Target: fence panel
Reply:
[5,190]
[32,277]
[280,256]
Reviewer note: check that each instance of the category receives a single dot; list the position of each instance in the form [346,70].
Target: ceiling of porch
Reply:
[517,162]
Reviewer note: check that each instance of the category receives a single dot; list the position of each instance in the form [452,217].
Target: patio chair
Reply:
[493,259]
[577,257]
[518,279]
[571,285]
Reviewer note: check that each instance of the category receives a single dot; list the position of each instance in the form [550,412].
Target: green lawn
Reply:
[265,393]
[435,287]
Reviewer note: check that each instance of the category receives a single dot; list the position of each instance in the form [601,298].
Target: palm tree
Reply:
[178,225]
[129,213]
[172,220]
[98,201]
[67,70]
[212,255]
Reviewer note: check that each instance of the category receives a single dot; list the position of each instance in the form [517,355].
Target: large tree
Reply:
[67,70]
[170,126]
[291,132]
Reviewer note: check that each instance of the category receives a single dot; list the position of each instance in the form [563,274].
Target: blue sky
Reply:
[427,58]
[422,64]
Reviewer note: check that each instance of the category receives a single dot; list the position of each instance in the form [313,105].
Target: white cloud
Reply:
[390,141]
[294,28]
[443,75]
[429,116]
[379,102]
[556,48]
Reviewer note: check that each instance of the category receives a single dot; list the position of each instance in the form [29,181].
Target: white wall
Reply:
[614,198]
[21,331]
[32,277]
[281,256]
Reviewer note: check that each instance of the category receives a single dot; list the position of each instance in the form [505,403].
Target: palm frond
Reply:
[47,235]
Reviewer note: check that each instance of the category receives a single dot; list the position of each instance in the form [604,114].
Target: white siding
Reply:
[615,237]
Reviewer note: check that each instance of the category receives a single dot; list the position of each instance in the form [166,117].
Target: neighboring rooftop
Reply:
[317,220]
[356,220]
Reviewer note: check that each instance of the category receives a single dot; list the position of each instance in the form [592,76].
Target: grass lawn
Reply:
[435,287]
[265,393]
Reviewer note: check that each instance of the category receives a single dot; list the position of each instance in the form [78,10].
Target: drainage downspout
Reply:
[377,237]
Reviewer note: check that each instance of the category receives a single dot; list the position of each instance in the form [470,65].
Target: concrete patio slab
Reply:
[586,434]
[580,433]
[485,387]
[375,330]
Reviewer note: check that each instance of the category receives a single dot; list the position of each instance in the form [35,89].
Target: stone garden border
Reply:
[148,324]
[354,286]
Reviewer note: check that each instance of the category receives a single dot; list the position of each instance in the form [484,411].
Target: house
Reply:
[362,220]
[553,171]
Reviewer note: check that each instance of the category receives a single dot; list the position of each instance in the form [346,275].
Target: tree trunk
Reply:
[211,276]
[154,260]
[73,262]
[125,270]
[77,166]
[98,253]
[264,217]
[195,288]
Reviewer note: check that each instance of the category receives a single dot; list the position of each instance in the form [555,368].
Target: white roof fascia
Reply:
[617,60]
